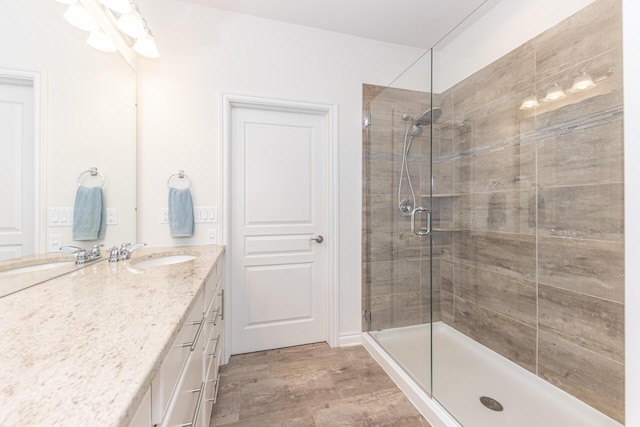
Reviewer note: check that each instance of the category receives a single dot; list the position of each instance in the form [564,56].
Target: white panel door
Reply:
[279,199]
[17,218]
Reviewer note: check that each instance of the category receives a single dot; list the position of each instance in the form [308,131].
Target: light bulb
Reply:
[554,93]
[582,82]
[132,24]
[99,40]
[529,102]
[120,6]
[79,17]
[147,46]
[67,1]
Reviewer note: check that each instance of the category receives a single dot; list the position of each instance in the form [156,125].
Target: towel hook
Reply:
[179,175]
[93,171]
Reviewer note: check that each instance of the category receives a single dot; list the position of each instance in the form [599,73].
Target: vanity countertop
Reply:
[81,349]
[10,283]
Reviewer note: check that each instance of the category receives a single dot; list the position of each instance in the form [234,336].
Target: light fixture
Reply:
[79,17]
[99,40]
[120,6]
[582,82]
[122,27]
[554,93]
[529,102]
[147,46]
[132,24]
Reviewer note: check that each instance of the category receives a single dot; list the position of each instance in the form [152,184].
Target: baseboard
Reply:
[348,340]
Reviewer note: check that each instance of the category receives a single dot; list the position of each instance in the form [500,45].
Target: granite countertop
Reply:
[82,349]
[13,282]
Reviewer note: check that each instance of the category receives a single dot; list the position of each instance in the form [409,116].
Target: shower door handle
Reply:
[421,232]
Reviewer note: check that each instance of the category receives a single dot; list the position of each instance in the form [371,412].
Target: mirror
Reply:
[85,116]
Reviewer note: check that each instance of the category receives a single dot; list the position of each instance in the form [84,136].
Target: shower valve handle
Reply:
[421,232]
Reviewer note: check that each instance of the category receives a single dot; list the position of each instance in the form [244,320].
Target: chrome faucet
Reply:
[125,251]
[82,255]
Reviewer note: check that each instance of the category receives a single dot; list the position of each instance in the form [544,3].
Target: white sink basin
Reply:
[163,260]
[37,267]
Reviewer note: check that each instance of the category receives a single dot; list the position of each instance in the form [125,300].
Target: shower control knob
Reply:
[318,239]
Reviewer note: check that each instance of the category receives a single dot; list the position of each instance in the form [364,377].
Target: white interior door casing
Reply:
[279,202]
[17,170]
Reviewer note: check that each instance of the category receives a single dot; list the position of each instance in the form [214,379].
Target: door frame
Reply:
[330,113]
[34,78]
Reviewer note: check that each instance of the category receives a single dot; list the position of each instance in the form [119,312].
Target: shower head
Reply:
[429,116]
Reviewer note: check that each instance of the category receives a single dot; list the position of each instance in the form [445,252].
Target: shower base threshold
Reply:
[465,371]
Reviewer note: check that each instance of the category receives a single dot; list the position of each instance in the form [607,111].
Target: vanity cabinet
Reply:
[142,417]
[184,390]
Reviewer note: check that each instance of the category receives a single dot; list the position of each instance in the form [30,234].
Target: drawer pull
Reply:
[194,420]
[221,294]
[193,343]
[215,317]
[215,393]
[217,340]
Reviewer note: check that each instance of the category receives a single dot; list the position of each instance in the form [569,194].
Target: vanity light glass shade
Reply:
[582,82]
[120,6]
[99,40]
[147,47]
[529,102]
[132,25]
[79,17]
[67,1]
[554,93]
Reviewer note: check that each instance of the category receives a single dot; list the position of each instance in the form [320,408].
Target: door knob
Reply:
[318,239]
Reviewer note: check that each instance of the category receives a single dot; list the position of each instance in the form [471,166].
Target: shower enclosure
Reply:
[493,250]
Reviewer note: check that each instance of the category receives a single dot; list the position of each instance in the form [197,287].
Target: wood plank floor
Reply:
[311,385]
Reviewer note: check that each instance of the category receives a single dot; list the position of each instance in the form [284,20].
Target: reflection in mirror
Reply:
[64,108]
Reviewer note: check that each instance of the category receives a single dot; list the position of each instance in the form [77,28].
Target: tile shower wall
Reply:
[528,210]
[532,266]
[395,262]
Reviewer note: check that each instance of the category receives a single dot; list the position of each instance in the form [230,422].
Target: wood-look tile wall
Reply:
[536,270]
[529,259]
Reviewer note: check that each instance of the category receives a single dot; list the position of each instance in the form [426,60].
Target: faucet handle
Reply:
[71,249]
[114,254]
[95,251]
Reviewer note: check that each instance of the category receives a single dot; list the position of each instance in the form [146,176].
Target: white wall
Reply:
[206,52]
[493,34]
[631,35]
[89,108]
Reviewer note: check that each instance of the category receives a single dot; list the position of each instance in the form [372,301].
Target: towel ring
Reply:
[93,172]
[179,175]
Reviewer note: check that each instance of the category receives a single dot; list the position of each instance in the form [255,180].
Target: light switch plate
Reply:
[55,242]
[112,216]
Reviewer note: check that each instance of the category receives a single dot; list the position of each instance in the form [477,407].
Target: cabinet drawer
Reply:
[214,282]
[210,284]
[190,395]
[166,380]
[212,380]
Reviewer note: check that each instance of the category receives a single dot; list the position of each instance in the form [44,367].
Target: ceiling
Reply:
[417,23]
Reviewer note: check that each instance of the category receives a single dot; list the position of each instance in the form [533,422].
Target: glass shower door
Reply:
[397,292]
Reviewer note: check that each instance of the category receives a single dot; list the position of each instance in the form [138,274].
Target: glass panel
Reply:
[397,178]
[528,191]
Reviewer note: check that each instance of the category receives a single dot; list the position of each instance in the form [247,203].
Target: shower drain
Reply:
[491,403]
